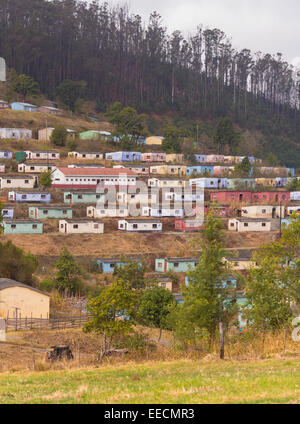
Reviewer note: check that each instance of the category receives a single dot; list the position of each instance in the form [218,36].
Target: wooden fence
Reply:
[21,324]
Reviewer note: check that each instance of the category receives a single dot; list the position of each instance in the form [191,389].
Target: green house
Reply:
[22,226]
[90,135]
[241,184]
[90,197]
[55,212]
[176,264]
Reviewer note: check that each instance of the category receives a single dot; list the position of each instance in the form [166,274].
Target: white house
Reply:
[17,181]
[91,177]
[35,167]
[143,197]
[86,155]
[209,182]
[249,224]
[2,167]
[162,211]
[16,133]
[82,226]
[262,211]
[165,182]
[104,212]
[295,195]
[42,154]
[140,225]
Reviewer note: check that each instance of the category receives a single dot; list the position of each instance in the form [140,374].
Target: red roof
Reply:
[96,171]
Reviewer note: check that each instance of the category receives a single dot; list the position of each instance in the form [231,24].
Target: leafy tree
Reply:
[69,273]
[272,159]
[69,92]
[131,273]
[243,168]
[45,178]
[15,264]
[25,85]
[155,307]
[294,185]
[171,142]
[108,310]
[59,136]
[209,301]
[127,122]
[226,136]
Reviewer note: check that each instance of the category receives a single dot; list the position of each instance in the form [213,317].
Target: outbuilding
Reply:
[6,154]
[29,196]
[249,224]
[81,226]
[17,181]
[20,300]
[35,168]
[140,225]
[23,106]
[44,212]
[15,133]
[86,155]
[22,226]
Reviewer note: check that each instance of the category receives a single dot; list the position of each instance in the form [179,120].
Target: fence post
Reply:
[2,330]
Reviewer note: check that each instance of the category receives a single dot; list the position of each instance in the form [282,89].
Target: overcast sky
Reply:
[269,26]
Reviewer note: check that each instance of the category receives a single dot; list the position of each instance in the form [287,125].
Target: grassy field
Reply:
[178,382]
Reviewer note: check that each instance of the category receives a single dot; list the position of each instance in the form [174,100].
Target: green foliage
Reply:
[294,185]
[107,310]
[47,285]
[272,160]
[45,178]
[131,273]
[155,307]
[226,137]
[59,136]
[243,169]
[69,92]
[1,217]
[25,85]
[68,277]
[171,142]
[15,264]
[71,144]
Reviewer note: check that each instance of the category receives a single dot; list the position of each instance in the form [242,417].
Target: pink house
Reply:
[230,196]
[2,167]
[219,210]
[214,158]
[271,196]
[153,157]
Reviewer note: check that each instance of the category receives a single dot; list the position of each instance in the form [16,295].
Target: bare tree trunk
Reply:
[284,340]
[159,337]
[221,330]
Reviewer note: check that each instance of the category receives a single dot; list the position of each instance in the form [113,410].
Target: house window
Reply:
[79,196]
[263,211]
[68,196]
[24,196]
[163,285]
[32,168]
[176,264]
[13,226]
[64,212]
[75,225]
[96,226]
[134,226]
[246,224]
[263,224]
[43,196]
[112,265]
[45,212]
[8,181]
[61,225]
[159,265]
[26,181]
[154,226]
[34,226]
[232,224]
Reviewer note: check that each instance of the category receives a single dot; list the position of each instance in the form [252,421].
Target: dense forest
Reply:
[140,64]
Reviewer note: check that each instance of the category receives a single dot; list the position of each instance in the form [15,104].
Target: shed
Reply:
[22,226]
[91,135]
[17,181]
[140,225]
[35,167]
[41,154]
[55,212]
[250,224]
[188,225]
[20,300]
[23,106]
[45,133]
[81,226]
[153,157]
[16,133]
[175,264]
[86,155]
[107,265]
[79,197]
[29,196]
[6,154]
[199,169]
[154,140]
[123,156]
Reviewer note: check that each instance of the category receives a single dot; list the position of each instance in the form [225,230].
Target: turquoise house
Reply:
[241,183]
[22,226]
[175,264]
[54,212]
[23,106]
[82,197]
[107,265]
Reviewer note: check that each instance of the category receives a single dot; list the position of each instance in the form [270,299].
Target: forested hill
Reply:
[140,64]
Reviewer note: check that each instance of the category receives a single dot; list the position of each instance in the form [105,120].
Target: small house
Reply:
[293,209]
[295,196]
[241,184]
[266,182]
[142,197]
[6,154]
[123,156]
[44,212]
[109,212]
[41,154]
[140,225]
[3,104]
[86,155]
[221,170]
[214,158]
[220,211]
[270,197]
[108,265]
[49,109]
[176,264]
[82,226]
[281,182]
[79,197]
[165,183]
[261,211]
[35,168]
[7,212]
[230,196]
[209,182]
[154,140]
[165,283]
[2,167]
[199,169]
[29,196]
[23,106]
[16,133]
[250,224]
[137,169]
[17,181]
[22,226]
[91,135]
[188,225]
[45,133]
[200,158]
[20,300]
[153,157]
[175,157]
[163,211]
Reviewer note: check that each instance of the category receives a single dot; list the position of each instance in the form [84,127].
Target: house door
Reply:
[276,198]
[273,212]
[65,228]
[241,197]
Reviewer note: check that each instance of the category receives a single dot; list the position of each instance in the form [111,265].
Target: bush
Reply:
[59,136]
[47,285]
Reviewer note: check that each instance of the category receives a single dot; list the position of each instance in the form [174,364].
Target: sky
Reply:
[269,26]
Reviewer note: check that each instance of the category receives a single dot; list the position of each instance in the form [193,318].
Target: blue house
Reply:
[290,172]
[199,169]
[23,106]
[201,158]
[123,156]
[107,265]
[6,154]
[7,212]
[229,283]
[29,196]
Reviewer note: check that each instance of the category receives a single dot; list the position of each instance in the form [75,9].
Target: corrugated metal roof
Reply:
[95,171]
[6,283]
